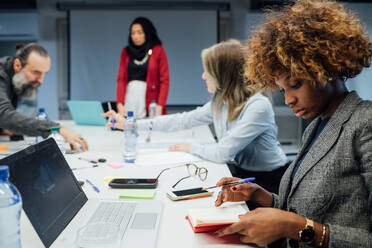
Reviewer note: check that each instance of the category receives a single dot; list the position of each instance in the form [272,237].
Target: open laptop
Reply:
[87,112]
[59,210]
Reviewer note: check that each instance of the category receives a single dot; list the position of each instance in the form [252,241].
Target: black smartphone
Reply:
[134,183]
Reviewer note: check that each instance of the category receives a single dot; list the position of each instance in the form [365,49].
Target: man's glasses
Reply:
[192,169]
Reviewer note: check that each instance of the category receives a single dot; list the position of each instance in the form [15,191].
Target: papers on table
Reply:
[165,158]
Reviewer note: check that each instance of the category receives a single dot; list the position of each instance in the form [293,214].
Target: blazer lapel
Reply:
[285,183]
[326,139]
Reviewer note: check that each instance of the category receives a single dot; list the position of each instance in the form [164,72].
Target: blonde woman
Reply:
[242,116]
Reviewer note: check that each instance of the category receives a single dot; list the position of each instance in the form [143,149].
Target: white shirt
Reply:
[248,142]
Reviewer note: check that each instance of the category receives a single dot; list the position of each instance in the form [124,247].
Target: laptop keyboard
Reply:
[108,222]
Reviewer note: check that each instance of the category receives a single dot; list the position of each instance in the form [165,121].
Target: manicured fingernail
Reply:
[216,234]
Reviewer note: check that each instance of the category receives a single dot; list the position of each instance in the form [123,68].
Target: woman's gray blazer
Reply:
[333,185]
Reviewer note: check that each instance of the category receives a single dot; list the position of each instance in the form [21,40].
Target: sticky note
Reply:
[4,147]
[109,179]
[115,165]
[137,193]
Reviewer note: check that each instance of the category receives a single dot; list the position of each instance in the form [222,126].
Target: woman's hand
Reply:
[263,226]
[119,119]
[121,109]
[242,192]
[74,139]
[159,110]
[180,148]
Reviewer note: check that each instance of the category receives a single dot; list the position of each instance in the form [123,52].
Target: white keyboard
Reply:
[107,224]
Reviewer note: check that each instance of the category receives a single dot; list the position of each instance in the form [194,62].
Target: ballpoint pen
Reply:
[85,167]
[93,161]
[246,180]
[112,120]
[93,186]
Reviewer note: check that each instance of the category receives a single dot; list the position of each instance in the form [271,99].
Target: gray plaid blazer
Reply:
[333,185]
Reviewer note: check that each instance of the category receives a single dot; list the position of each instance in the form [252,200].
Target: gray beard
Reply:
[23,88]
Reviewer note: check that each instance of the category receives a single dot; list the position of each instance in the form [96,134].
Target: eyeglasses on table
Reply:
[192,169]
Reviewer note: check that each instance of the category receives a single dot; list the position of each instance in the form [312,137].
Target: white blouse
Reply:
[250,141]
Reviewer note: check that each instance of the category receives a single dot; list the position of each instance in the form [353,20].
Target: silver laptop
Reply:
[62,215]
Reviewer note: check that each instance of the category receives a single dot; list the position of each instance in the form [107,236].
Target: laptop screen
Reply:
[87,112]
[50,192]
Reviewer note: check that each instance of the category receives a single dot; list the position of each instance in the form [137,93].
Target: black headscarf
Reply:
[151,36]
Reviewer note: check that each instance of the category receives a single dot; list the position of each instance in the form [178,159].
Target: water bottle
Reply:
[130,138]
[10,211]
[42,115]
[59,139]
[152,109]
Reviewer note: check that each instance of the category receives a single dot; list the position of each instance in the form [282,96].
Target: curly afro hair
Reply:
[312,40]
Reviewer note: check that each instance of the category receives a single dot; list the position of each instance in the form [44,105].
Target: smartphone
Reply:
[188,194]
[134,183]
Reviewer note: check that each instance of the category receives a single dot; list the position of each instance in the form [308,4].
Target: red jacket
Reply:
[157,78]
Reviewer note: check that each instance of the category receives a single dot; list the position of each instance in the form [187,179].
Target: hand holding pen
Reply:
[111,119]
[115,120]
[235,190]
[246,180]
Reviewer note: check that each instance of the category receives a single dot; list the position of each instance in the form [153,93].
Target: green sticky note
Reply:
[137,193]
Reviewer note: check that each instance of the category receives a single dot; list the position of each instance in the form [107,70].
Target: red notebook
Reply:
[212,219]
[209,227]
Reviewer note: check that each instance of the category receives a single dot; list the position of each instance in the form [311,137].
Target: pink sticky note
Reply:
[115,165]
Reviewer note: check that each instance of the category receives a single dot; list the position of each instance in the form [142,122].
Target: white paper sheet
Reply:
[165,158]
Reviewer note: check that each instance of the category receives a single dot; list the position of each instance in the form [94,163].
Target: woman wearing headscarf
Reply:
[143,74]
[241,114]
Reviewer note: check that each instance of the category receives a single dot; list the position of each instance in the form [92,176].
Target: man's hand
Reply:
[7,132]
[74,139]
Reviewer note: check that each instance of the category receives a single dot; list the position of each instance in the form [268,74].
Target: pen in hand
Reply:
[246,180]
[111,119]
[93,186]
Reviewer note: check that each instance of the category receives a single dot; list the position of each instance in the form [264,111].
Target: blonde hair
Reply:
[313,40]
[224,62]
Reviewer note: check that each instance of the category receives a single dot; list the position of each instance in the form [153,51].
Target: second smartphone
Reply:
[134,183]
[188,194]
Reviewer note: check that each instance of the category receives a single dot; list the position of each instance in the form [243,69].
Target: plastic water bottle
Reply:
[42,115]
[10,211]
[59,139]
[152,109]
[130,138]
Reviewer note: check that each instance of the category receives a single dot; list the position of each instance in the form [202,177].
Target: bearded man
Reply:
[20,76]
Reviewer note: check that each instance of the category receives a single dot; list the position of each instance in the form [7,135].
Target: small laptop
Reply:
[87,112]
[60,212]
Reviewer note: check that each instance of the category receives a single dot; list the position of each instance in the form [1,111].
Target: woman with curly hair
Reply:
[242,116]
[308,51]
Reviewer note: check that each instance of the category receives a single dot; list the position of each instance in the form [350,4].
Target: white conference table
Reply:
[151,159]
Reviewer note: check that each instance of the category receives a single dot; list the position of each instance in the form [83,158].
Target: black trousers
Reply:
[269,180]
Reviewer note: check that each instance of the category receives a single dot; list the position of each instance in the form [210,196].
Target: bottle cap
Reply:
[4,172]
[153,101]
[41,110]
[130,113]
[54,129]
